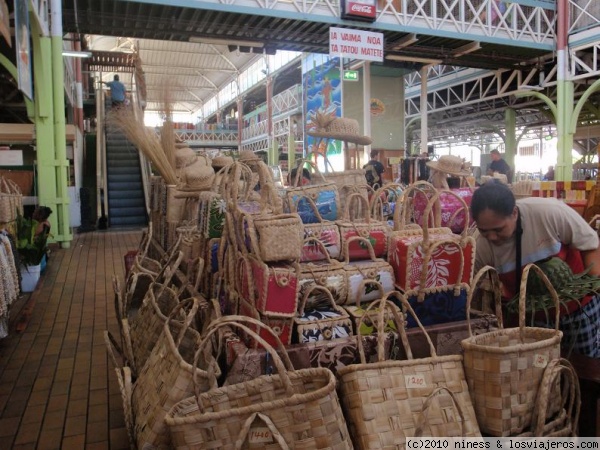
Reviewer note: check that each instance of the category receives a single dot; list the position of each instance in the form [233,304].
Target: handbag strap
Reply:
[496,288]
[360,202]
[523,298]
[518,250]
[436,201]
[316,287]
[270,425]
[422,419]
[429,251]
[361,239]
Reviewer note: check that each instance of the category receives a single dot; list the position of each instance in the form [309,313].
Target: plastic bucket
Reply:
[30,276]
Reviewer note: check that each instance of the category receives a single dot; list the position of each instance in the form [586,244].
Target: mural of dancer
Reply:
[322,102]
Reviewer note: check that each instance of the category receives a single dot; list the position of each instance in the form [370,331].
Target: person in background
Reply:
[117,91]
[305,177]
[499,165]
[549,176]
[543,229]
[41,215]
[374,171]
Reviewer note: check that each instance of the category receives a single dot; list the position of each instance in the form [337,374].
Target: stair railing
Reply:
[145,169]
[101,178]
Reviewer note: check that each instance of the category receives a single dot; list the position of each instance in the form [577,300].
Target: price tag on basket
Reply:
[414,381]
[260,435]
[540,360]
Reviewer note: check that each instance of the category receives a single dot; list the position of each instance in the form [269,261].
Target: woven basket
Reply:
[144,328]
[125,387]
[504,368]
[11,200]
[275,237]
[385,201]
[384,400]
[166,378]
[294,408]
[559,381]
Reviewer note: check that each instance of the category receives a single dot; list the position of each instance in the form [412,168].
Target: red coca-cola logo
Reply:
[361,8]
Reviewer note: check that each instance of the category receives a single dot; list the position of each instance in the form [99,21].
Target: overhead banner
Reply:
[356,44]
[5,22]
[23,44]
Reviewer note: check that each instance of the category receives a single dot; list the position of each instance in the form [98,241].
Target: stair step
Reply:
[131,202]
[127,178]
[127,211]
[122,156]
[131,220]
[124,193]
[123,169]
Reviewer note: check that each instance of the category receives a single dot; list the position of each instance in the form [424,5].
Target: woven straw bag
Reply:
[404,217]
[385,201]
[559,381]
[505,367]
[293,408]
[384,400]
[166,378]
[275,237]
[11,200]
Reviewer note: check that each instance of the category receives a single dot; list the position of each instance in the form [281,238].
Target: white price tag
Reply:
[540,361]
[414,381]
[260,435]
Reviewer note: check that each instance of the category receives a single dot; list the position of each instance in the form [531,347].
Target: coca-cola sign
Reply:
[359,10]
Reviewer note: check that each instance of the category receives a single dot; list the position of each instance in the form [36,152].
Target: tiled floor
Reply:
[58,390]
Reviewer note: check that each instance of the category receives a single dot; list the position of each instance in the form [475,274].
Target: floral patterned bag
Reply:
[322,322]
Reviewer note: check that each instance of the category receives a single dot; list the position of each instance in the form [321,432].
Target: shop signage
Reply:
[350,75]
[365,10]
[356,44]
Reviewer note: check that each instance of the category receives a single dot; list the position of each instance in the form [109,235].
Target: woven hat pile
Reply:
[221,161]
[184,156]
[339,128]
[450,164]
[197,177]
[248,156]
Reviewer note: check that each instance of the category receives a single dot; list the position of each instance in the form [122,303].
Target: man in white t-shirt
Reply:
[549,228]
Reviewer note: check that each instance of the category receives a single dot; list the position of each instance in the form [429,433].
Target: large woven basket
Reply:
[504,368]
[166,378]
[292,409]
[384,400]
[11,200]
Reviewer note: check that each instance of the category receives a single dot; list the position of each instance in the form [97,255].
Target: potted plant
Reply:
[31,248]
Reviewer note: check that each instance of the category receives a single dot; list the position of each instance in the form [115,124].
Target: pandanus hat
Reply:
[341,129]
[450,164]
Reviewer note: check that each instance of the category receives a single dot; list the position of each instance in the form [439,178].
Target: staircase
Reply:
[126,201]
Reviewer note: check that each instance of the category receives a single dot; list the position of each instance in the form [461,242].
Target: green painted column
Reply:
[60,163]
[510,141]
[44,129]
[564,107]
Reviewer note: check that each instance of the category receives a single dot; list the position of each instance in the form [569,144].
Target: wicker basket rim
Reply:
[195,416]
[398,363]
[474,343]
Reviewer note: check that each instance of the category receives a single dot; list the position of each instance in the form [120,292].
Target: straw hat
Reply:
[197,177]
[221,161]
[342,130]
[247,156]
[184,156]
[497,176]
[450,164]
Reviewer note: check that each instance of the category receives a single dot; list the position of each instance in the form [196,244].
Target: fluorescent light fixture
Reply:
[76,54]
[413,59]
[466,49]
[215,41]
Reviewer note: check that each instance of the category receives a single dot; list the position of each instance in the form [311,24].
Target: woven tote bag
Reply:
[300,408]
[11,200]
[166,378]
[504,368]
[383,400]
[559,381]
[326,231]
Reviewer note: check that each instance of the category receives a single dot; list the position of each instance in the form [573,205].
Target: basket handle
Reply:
[410,310]
[383,304]
[562,370]
[362,202]
[523,298]
[312,205]
[190,316]
[401,217]
[126,388]
[315,287]
[436,201]
[299,163]
[422,420]
[362,239]
[365,282]
[429,250]
[270,425]
[320,245]
[281,361]
[496,289]
[376,203]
